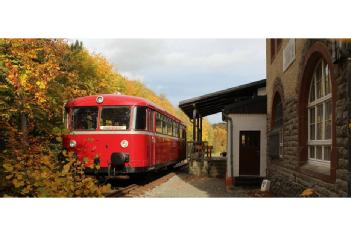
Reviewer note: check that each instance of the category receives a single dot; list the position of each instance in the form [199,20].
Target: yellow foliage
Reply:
[45,177]
[309,192]
[40,84]
[8,167]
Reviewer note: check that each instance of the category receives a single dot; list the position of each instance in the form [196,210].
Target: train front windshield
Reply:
[84,118]
[115,118]
[111,118]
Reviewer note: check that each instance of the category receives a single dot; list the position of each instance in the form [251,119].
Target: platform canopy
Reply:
[213,103]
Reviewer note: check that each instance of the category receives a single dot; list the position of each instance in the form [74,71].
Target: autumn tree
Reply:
[29,70]
[220,136]
[37,78]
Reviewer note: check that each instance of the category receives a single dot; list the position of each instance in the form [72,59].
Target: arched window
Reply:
[277,112]
[320,115]
[276,135]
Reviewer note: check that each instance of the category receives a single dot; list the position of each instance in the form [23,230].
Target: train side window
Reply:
[174,129]
[169,128]
[65,118]
[164,125]
[158,123]
[150,120]
[140,119]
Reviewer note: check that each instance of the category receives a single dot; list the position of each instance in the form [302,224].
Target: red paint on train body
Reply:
[123,134]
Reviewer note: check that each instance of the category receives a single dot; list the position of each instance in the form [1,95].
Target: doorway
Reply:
[249,153]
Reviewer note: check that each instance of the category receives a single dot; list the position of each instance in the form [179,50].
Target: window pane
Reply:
[319,121]
[281,137]
[175,129]
[319,81]
[327,80]
[278,112]
[312,123]
[115,118]
[312,91]
[169,128]
[312,152]
[164,125]
[158,123]
[140,122]
[65,119]
[312,132]
[327,152]
[319,152]
[85,118]
[328,120]
[312,115]
[150,126]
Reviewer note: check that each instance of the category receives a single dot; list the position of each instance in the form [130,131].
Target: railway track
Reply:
[136,187]
[121,191]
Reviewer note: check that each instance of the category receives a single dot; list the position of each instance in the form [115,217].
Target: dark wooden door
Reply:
[249,153]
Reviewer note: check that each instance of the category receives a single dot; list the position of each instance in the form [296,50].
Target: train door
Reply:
[152,139]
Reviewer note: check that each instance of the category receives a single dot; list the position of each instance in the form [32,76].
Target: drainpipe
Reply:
[231,156]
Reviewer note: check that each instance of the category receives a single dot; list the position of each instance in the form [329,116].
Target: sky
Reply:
[185,68]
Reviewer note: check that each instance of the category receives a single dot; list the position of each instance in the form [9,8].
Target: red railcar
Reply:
[123,134]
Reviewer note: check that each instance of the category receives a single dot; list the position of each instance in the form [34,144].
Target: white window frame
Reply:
[317,101]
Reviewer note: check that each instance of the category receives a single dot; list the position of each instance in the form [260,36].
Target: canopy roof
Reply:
[213,103]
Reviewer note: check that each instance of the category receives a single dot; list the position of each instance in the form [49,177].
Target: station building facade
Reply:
[308,116]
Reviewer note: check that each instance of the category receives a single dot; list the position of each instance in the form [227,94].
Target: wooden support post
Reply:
[194,124]
[197,130]
[200,131]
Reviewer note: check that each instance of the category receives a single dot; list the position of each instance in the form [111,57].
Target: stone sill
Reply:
[320,169]
[321,172]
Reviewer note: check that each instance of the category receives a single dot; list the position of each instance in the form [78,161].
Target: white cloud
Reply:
[185,68]
[133,76]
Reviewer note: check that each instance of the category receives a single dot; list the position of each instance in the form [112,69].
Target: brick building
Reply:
[308,115]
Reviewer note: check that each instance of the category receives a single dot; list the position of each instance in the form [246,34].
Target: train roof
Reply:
[117,99]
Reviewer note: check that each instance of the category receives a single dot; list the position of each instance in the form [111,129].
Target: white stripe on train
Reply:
[122,133]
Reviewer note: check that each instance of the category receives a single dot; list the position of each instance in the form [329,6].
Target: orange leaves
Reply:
[309,192]
[106,188]
[67,167]
[18,183]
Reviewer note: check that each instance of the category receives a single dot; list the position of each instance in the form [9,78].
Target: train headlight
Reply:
[72,143]
[124,143]
[100,99]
